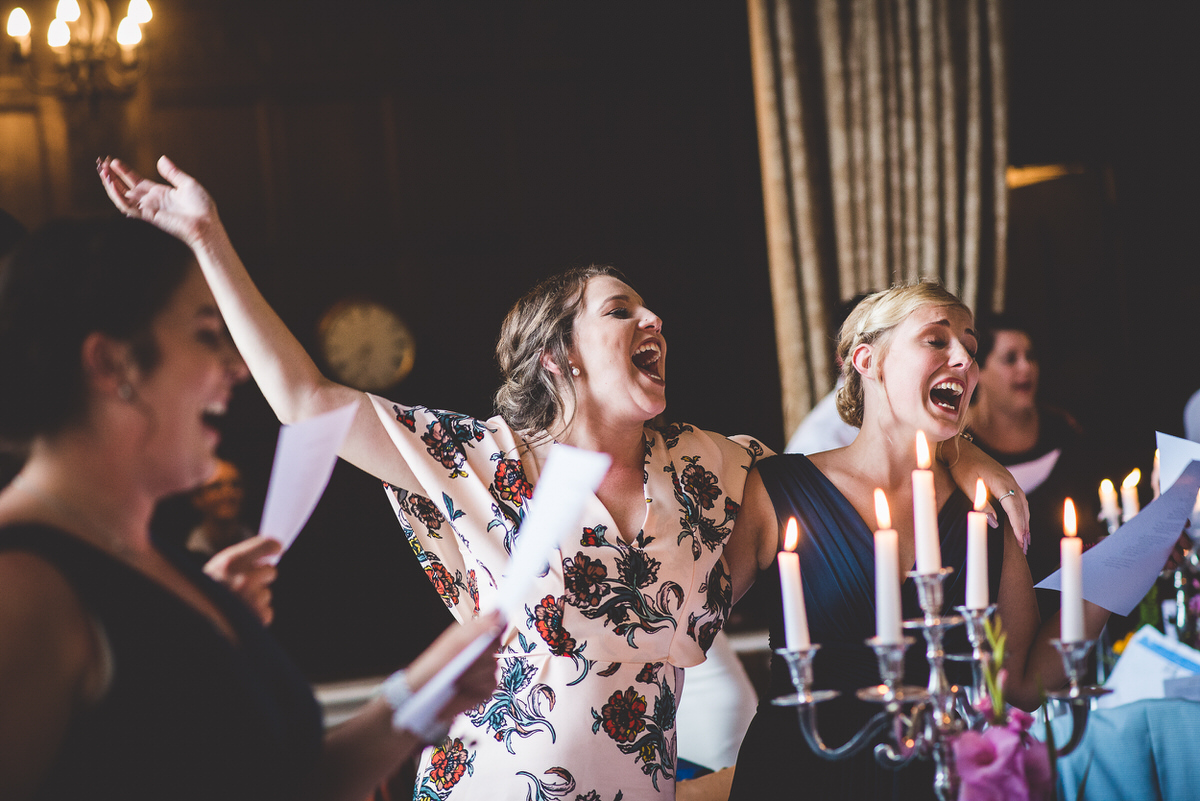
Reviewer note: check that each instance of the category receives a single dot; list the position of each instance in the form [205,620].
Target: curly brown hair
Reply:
[530,397]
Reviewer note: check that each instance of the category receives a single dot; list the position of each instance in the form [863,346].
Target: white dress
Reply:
[590,679]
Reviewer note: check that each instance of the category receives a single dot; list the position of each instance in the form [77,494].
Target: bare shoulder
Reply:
[48,664]
[42,621]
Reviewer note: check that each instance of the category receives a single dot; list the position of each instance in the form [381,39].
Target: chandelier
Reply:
[88,55]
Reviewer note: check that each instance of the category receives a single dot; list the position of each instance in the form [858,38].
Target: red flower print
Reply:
[622,715]
[442,447]
[584,581]
[648,672]
[592,537]
[473,589]
[701,485]
[548,620]
[424,510]
[443,582]
[448,763]
[510,481]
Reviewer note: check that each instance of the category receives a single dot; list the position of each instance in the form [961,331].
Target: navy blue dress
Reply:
[188,714]
[837,562]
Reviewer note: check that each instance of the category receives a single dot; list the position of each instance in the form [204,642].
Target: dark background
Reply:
[442,157]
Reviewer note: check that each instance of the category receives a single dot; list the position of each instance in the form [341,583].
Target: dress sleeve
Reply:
[469,498]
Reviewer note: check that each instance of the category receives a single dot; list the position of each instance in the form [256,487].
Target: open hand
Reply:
[181,207]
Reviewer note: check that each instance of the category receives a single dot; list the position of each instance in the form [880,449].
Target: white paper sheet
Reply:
[1149,659]
[568,478]
[1174,454]
[304,460]
[1118,572]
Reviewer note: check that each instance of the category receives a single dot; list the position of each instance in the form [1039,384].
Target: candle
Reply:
[1071,553]
[795,618]
[887,575]
[1154,488]
[977,558]
[1129,495]
[1108,503]
[929,551]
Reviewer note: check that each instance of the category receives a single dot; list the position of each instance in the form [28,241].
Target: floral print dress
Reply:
[590,678]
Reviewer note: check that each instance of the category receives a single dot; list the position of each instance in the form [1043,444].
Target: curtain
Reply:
[883,143]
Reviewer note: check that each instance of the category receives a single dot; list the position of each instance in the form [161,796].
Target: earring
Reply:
[125,391]
[574,370]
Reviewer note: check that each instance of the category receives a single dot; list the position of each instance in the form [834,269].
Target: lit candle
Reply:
[929,551]
[795,618]
[1071,553]
[1108,503]
[1129,495]
[977,558]
[887,575]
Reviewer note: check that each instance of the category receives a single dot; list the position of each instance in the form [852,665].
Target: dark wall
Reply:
[442,158]
[1107,257]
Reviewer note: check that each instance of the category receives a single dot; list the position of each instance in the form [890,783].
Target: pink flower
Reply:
[1003,763]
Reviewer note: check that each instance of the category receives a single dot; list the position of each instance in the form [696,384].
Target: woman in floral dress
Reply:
[591,674]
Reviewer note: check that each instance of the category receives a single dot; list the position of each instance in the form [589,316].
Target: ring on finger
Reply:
[1005,495]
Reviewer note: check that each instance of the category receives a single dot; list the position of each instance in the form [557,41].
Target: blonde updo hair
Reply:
[530,397]
[872,322]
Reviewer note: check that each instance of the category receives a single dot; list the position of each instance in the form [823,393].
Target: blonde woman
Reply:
[908,357]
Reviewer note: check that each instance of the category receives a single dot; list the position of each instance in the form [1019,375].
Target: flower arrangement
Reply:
[1003,762]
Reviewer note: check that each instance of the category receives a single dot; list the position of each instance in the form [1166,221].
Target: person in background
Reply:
[219,502]
[125,672]
[823,429]
[1044,448]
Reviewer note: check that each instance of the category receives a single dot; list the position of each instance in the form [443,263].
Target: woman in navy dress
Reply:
[908,360]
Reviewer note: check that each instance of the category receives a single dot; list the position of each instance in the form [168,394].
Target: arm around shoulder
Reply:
[755,538]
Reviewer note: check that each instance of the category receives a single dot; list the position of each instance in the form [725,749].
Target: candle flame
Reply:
[1106,488]
[1132,479]
[923,460]
[980,495]
[883,515]
[1069,525]
[791,537]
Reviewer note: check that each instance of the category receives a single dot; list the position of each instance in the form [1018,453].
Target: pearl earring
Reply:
[574,370]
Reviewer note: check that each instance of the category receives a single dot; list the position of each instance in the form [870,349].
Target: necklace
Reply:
[109,538]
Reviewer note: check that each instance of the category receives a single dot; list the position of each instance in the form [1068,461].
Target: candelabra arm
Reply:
[1079,697]
[807,714]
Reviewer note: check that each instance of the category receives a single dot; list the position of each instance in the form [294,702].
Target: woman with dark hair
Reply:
[1044,448]
[591,674]
[125,672]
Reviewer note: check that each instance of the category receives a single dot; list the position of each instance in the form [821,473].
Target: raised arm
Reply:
[287,376]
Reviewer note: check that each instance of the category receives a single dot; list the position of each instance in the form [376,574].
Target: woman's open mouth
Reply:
[947,395]
[647,359]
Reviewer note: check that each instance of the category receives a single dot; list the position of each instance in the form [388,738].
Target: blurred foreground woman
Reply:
[125,672]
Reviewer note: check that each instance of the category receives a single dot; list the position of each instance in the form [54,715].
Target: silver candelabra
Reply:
[924,721]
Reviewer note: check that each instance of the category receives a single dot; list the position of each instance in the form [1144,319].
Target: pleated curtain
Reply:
[883,143]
